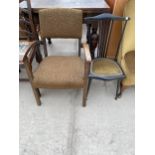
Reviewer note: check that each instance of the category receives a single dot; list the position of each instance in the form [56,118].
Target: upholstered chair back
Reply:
[60,23]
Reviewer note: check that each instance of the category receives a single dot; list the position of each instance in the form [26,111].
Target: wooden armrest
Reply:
[28,57]
[31,50]
[87,52]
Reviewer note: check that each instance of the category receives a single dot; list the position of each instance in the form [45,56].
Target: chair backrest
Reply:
[60,23]
[26,25]
[105,23]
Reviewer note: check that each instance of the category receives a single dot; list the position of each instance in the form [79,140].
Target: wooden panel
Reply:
[111,3]
[116,30]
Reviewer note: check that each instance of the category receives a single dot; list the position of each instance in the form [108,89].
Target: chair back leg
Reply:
[45,47]
[79,47]
[118,89]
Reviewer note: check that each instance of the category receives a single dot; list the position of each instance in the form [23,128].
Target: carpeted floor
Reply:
[61,126]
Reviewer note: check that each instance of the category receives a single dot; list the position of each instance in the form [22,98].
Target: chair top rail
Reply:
[105,16]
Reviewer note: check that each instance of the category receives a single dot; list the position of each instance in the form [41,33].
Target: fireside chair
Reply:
[127,50]
[102,67]
[59,72]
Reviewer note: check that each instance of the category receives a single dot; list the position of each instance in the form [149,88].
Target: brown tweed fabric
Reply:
[105,67]
[60,72]
[64,23]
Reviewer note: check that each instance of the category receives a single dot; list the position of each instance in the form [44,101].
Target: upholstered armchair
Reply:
[59,72]
[127,52]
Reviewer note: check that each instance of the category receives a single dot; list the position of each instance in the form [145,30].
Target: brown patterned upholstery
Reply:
[105,68]
[59,72]
[59,22]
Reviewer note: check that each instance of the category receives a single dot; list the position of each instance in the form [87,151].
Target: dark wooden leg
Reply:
[89,83]
[38,55]
[118,91]
[39,94]
[45,47]
[85,90]
[49,40]
[36,94]
[79,47]
[86,83]
[30,75]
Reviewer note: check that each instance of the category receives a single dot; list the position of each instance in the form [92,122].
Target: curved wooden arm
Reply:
[87,52]
[28,57]
[30,51]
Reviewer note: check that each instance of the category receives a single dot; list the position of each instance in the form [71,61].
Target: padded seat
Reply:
[60,72]
[106,69]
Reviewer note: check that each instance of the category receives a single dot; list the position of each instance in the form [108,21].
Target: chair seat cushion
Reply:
[105,68]
[59,72]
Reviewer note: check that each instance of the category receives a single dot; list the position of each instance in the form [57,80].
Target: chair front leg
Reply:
[85,90]
[86,83]
[79,47]
[89,83]
[38,92]
[45,47]
[30,75]
[118,89]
